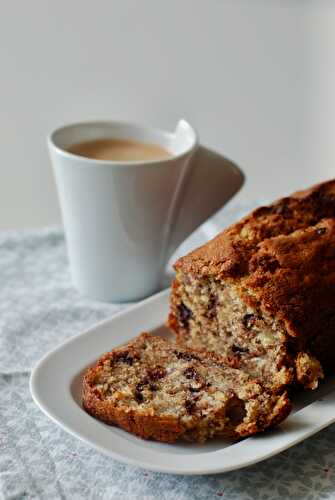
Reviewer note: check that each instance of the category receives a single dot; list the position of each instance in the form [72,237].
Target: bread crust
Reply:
[166,428]
[228,254]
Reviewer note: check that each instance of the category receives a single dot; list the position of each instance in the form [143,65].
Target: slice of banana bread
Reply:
[160,391]
[262,293]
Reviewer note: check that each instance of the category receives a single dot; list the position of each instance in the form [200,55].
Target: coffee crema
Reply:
[119,150]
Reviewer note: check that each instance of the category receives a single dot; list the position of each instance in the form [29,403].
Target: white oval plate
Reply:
[55,385]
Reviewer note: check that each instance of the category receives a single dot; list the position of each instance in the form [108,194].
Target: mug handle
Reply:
[212,181]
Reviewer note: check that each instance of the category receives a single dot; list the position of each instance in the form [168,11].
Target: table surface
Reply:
[39,309]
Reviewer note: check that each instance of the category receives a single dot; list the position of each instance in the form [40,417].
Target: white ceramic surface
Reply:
[61,401]
[124,219]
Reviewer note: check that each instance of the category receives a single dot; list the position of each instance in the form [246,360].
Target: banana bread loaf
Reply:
[262,293]
[157,390]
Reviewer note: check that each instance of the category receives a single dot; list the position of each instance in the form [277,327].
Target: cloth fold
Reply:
[39,309]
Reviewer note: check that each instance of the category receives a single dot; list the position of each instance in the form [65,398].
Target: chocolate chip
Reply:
[190,405]
[321,230]
[146,382]
[238,350]
[186,356]
[138,393]
[190,373]
[185,314]
[236,411]
[248,321]
[125,357]
[156,373]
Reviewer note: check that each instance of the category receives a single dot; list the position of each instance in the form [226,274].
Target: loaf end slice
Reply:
[157,390]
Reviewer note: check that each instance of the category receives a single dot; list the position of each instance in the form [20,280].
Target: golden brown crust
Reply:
[169,428]
[229,253]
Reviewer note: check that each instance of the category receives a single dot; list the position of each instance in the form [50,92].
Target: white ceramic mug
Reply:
[123,220]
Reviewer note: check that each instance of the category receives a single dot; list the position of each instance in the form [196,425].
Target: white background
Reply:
[256,78]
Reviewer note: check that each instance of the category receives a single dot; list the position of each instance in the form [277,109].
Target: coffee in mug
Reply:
[119,150]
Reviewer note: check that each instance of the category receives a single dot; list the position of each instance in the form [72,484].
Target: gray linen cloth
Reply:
[39,309]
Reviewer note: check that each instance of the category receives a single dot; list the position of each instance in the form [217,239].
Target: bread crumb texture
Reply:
[157,390]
